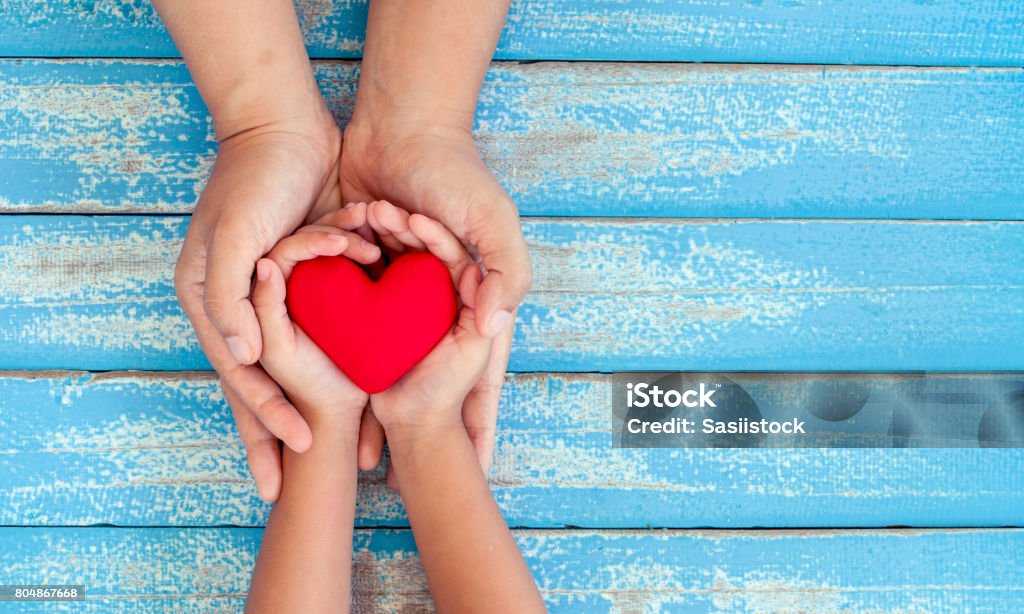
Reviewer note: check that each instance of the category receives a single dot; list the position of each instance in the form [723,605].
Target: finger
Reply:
[248,386]
[189,275]
[312,241]
[268,299]
[189,280]
[396,220]
[363,229]
[360,249]
[350,217]
[262,449]
[190,272]
[264,398]
[371,441]
[391,243]
[440,242]
[376,268]
[354,217]
[474,348]
[251,384]
[509,275]
[469,285]
[480,408]
[232,253]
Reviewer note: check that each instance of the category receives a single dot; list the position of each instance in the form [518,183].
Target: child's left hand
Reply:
[313,383]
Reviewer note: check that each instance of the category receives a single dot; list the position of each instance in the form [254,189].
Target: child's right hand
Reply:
[313,383]
[430,396]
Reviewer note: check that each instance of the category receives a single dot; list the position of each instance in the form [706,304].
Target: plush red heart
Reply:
[374,331]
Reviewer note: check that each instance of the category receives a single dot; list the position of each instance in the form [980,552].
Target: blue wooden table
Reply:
[836,186]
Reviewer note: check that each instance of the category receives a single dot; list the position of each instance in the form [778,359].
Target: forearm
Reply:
[304,563]
[471,561]
[425,62]
[248,60]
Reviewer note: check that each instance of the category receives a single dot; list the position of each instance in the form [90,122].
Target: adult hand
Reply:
[266,182]
[276,167]
[438,172]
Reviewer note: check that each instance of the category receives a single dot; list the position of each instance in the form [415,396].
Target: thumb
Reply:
[509,276]
[268,295]
[475,346]
[232,253]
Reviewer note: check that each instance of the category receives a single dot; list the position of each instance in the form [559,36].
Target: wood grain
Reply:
[161,450]
[572,139]
[161,569]
[157,455]
[95,293]
[939,32]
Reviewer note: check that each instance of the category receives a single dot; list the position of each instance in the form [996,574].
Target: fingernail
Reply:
[499,320]
[239,349]
[338,239]
[368,245]
[350,205]
[262,271]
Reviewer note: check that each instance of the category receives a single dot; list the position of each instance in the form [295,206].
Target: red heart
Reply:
[374,331]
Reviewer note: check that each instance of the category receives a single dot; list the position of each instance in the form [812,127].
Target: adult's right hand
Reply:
[266,182]
[435,170]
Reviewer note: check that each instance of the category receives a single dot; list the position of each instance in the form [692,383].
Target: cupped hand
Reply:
[266,181]
[438,172]
[312,382]
[431,395]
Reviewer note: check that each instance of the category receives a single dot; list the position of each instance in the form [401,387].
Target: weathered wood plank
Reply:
[609,295]
[572,139]
[156,570]
[943,32]
[161,450]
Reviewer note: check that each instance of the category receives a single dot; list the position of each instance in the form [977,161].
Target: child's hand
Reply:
[430,396]
[312,382]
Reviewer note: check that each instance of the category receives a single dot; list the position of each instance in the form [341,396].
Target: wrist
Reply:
[393,145]
[427,432]
[302,114]
[337,422]
[314,143]
[424,446]
[424,63]
[377,127]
